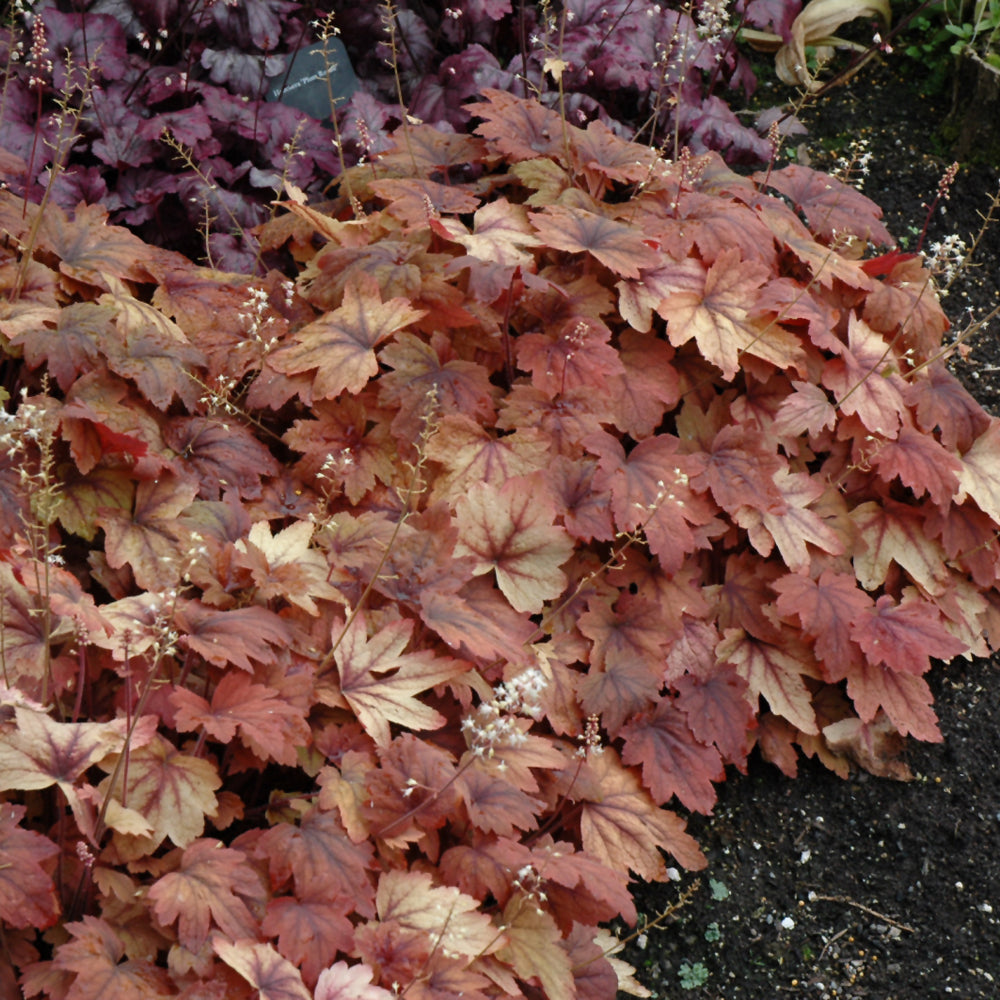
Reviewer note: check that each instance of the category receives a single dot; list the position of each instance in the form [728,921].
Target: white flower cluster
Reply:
[496,724]
[947,257]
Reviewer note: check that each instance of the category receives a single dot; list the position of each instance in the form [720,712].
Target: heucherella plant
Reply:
[365,635]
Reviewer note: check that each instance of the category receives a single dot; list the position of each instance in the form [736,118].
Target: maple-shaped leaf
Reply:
[648,387]
[742,471]
[577,355]
[944,404]
[980,475]
[808,410]
[27,894]
[419,200]
[273,977]
[625,829]
[626,659]
[895,532]
[775,673]
[718,317]
[717,710]
[904,636]
[831,206]
[320,856]
[501,234]
[285,566]
[906,306]
[151,350]
[67,340]
[477,621]
[921,464]
[345,445]
[268,725]
[310,931]
[220,455]
[469,455]
[651,490]
[904,697]
[533,948]
[235,636]
[38,751]
[618,246]
[95,955]
[863,380]
[510,530]
[172,790]
[349,982]
[28,639]
[518,128]
[211,887]
[150,540]
[448,915]
[379,681]
[341,344]
[673,761]
[497,806]
[795,526]
[93,252]
[827,608]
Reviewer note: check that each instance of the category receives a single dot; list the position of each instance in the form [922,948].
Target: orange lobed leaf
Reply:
[274,977]
[318,854]
[379,681]
[174,792]
[624,829]
[95,955]
[450,917]
[340,346]
[776,673]
[310,931]
[268,725]
[673,761]
[617,245]
[718,316]
[534,948]
[150,540]
[510,530]
[344,982]
[27,893]
[213,886]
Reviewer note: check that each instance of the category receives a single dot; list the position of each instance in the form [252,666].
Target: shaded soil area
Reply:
[867,888]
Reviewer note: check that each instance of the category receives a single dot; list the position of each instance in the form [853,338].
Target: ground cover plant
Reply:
[363,634]
[159,110]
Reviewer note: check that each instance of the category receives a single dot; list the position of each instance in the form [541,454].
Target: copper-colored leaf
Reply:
[172,790]
[380,681]
[211,887]
[340,346]
[449,916]
[27,894]
[511,530]
[150,540]
[274,977]
[625,829]
[619,247]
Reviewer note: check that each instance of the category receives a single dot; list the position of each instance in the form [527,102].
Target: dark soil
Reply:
[867,888]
